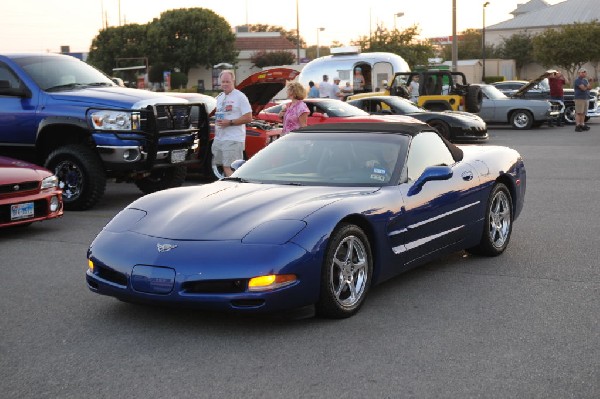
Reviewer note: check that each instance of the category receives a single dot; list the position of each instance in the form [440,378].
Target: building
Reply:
[247,43]
[535,17]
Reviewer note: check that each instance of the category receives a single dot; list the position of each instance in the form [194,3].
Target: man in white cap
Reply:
[335,89]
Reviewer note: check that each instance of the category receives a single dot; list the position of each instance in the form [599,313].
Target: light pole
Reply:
[397,15]
[297,34]
[318,30]
[487,3]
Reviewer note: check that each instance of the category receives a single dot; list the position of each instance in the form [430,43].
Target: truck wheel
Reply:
[162,179]
[474,99]
[80,174]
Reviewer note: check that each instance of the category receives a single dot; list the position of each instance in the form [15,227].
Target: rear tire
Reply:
[80,174]
[162,179]
[521,120]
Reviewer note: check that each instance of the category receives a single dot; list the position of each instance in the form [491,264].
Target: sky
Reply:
[46,25]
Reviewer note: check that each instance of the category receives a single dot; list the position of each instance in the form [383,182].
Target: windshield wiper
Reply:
[99,84]
[237,179]
[65,87]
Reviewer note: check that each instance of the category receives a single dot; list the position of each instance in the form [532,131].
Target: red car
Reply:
[260,88]
[28,193]
[326,110]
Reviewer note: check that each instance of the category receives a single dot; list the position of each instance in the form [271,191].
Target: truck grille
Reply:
[166,119]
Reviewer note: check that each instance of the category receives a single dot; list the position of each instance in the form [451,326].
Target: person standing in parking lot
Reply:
[232,113]
[294,113]
[325,87]
[582,87]
[556,82]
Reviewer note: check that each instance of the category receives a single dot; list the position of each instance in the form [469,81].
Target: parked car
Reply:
[318,217]
[452,125]
[326,110]
[497,108]
[28,193]
[209,101]
[539,89]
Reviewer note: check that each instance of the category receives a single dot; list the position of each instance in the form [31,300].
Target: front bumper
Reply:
[202,274]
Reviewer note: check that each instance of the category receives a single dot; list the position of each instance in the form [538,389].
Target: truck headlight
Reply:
[115,120]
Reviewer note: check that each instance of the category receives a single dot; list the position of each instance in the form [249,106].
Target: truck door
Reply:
[17,121]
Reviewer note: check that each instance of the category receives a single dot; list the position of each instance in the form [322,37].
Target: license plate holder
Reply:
[22,211]
[178,156]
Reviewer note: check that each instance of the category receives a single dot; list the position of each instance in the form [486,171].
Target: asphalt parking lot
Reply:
[522,325]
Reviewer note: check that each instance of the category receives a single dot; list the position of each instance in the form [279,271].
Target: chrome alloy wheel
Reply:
[499,219]
[349,272]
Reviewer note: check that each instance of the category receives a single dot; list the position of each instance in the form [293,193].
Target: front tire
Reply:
[442,128]
[498,220]
[346,273]
[80,174]
[162,179]
[569,115]
[521,120]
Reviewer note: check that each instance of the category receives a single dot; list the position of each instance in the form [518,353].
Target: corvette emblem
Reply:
[165,247]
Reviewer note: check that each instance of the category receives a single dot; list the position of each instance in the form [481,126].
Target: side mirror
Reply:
[235,165]
[429,174]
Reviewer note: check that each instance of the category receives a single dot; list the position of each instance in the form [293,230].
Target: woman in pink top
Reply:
[295,113]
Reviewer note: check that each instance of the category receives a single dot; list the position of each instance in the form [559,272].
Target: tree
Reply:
[190,37]
[262,59]
[567,48]
[469,47]
[291,35]
[402,43]
[113,43]
[518,47]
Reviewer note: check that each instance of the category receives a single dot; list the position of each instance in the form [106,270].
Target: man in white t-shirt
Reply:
[232,113]
[325,87]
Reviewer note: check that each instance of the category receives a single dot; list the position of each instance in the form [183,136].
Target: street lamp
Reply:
[318,30]
[487,3]
[397,15]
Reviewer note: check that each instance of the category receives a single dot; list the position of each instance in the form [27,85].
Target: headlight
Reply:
[50,182]
[115,120]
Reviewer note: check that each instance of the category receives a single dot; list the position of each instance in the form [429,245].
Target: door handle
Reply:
[467,175]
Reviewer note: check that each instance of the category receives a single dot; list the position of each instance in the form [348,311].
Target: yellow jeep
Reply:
[439,90]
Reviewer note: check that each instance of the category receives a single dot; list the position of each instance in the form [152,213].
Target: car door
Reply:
[441,212]
[17,113]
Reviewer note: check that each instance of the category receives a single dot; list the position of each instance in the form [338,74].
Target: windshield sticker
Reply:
[380,171]
[378,177]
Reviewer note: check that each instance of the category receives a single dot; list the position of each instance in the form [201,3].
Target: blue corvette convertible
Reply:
[316,218]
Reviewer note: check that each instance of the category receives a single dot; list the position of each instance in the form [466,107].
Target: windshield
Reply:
[52,73]
[403,105]
[336,108]
[492,92]
[338,159]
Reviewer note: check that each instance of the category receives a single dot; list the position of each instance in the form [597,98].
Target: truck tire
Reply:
[474,99]
[162,179]
[80,173]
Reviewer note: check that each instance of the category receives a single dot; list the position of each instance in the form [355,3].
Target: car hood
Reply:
[114,97]
[224,210]
[261,87]
[15,171]
[532,83]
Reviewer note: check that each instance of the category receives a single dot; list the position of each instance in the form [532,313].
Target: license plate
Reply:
[178,156]
[21,211]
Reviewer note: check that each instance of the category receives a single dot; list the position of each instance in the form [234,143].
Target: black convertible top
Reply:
[407,128]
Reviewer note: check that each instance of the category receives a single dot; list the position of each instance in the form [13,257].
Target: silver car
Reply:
[497,108]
